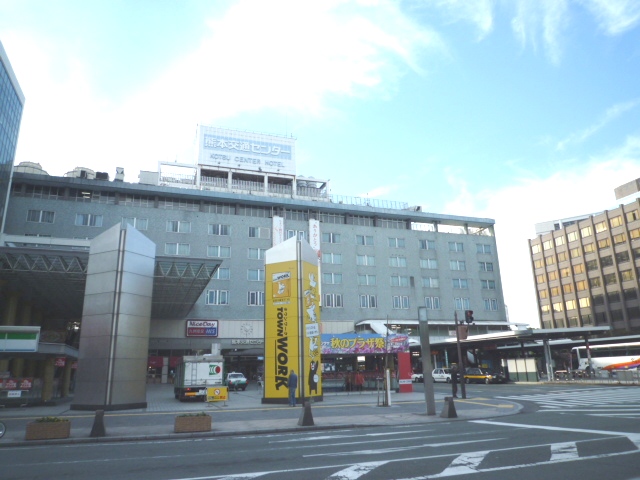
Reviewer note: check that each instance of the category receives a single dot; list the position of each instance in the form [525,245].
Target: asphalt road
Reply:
[568,432]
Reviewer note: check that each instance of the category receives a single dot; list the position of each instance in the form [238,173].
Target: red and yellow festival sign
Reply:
[292,320]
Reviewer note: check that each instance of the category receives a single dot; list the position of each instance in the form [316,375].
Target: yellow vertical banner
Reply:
[281,322]
[311,345]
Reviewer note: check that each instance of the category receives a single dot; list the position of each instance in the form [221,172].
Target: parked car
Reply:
[417,378]
[482,375]
[441,375]
[236,381]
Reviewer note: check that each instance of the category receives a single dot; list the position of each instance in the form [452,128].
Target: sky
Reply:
[521,111]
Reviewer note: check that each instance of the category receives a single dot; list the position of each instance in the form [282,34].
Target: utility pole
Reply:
[460,361]
[427,367]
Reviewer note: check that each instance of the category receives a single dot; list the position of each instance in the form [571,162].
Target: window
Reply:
[550,260]
[255,299]
[427,244]
[482,248]
[430,263]
[570,304]
[547,245]
[138,223]
[595,282]
[219,229]
[586,232]
[222,274]
[396,261]
[616,221]
[42,216]
[543,294]
[178,226]
[330,238]
[332,278]
[632,216]
[218,251]
[491,304]
[535,248]
[579,268]
[538,263]
[88,220]
[581,285]
[572,236]
[457,265]
[565,272]
[555,291]
[545,309]
[626,275]
[622,257]
[461,304]
[584,302]
[592,265]
[430,282]
[299,234]
[539,279]
[456,247]
[589,248]
[567,288]
[217,297]
[368,301]
[256,253]
[366,279]
[366,240]
[603,243]
[610,279]
[259,232]
[558,307]
[335,258]
[619,238]
[613,297]
[562,256]
[399,281]
[635,233]
[255,275]
[630,294]
[400,302]
[486,266]
[601,226]
[606,261]
[598,299]
[575,252]
[552,275]
[432,303]
[459,283]
[395,242]
[559,241]
[177,249]
[488,284]
[368,260]
[332,300]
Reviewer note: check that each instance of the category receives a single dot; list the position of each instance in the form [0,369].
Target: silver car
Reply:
[441,375]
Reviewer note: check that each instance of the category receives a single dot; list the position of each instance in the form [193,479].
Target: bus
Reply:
[611,357]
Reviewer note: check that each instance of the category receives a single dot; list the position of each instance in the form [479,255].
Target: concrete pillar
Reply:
[66,377]
[30,367]
[116,316]
[48,370]
[10,309]
[25,315]
[17,367]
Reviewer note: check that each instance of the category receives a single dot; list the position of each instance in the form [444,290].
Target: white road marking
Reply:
[564,451]
[355,471]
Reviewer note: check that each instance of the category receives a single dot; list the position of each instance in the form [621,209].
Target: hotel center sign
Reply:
[246,150]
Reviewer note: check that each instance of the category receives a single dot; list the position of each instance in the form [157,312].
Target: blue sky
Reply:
[522,111]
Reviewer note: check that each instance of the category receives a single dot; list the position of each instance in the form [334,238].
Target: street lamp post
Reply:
[461,363]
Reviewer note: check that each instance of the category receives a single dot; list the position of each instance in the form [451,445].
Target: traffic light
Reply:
[468,316]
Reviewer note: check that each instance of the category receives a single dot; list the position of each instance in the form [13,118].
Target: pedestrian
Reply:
[293,386]
[454,380]
[359,381]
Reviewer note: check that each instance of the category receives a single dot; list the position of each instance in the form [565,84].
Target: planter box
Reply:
[48,430]
[200,423]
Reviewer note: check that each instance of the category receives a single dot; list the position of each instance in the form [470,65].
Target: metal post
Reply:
[461,367]
[427,367]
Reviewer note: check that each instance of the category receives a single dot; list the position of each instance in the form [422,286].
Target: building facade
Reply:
[11,105]
[379,260]
[586,273]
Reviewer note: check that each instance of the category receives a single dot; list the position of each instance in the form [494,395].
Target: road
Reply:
[564,432]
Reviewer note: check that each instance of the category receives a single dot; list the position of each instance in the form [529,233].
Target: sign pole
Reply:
[427,367]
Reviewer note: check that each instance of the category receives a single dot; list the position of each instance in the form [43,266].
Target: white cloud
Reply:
[548,16]
[518,207]
[610,115]
[615,16]
[479,13]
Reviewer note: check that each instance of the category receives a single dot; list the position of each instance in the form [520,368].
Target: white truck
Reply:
[194,374]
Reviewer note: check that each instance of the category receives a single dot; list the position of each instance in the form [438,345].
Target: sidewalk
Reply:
[405,408]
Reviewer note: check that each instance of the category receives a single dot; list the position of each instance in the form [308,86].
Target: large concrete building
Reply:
[586,269]
[216,217]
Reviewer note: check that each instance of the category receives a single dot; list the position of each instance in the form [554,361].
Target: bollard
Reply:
[306,419]
[98,429]
[449,410]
